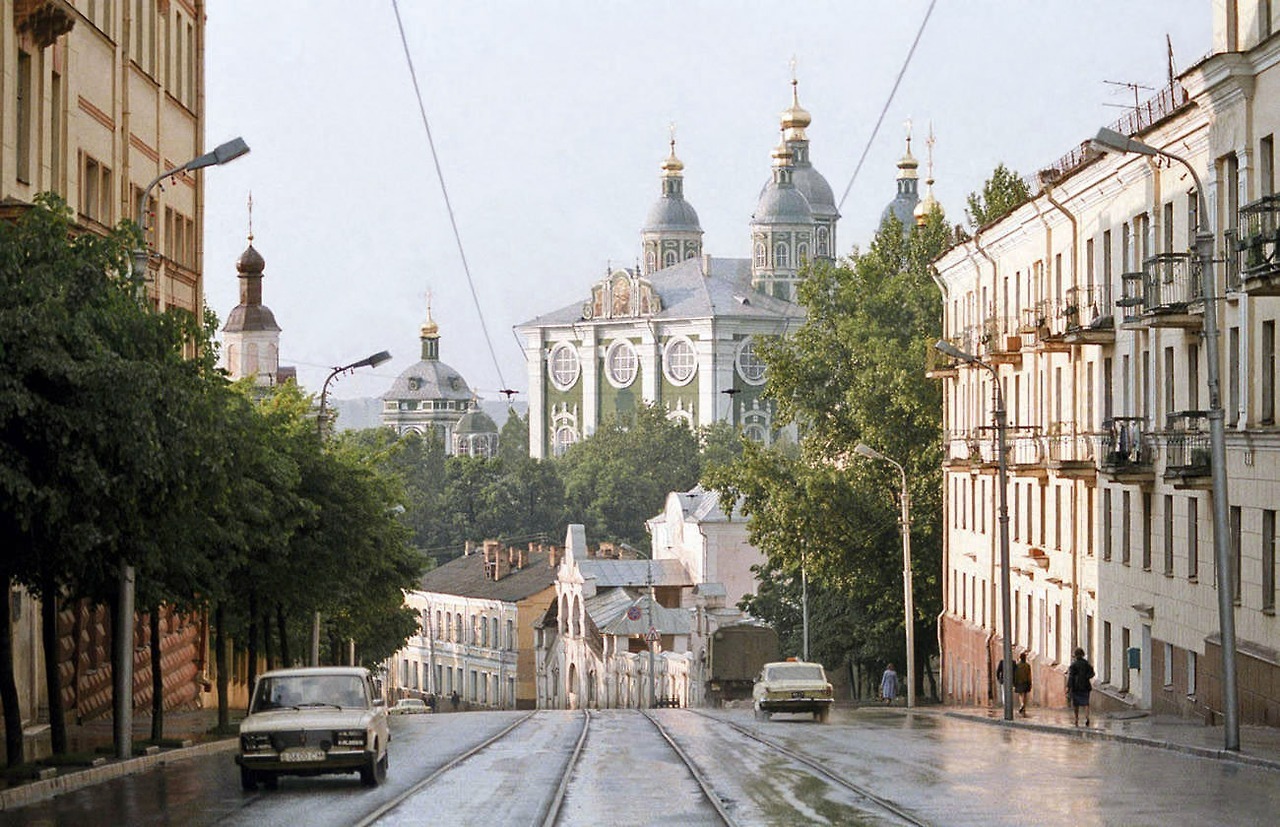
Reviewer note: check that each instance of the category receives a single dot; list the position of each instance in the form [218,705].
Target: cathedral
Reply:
[681,329]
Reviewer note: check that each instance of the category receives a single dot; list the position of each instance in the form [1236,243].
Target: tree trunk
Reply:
[267,653]
[8,685]
[52,679]
[253,638]
[220,665]
[283,629]
[157,677]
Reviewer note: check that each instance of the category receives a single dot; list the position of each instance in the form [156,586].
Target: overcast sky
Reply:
[551,119]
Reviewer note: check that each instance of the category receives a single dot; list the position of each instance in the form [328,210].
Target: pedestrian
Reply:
[1000,680]
[889,685]
[1079,685]
[431,701]
[453,699]
[1022,681]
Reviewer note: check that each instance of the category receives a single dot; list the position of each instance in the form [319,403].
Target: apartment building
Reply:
[100,97]
[1086,303]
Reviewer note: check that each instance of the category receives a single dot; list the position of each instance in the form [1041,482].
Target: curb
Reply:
[41,790]
[1085,733]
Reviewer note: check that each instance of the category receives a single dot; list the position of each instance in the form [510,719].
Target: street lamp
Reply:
[1108,140]
[908,604]
[122,668]
[1006,607]
[222,154]
[367,362]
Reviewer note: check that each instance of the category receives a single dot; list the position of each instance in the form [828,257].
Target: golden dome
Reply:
[795,117]
[672,165]
[429,328]
[782,154]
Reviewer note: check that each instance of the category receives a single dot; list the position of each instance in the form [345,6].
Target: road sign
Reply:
[652,637]
[633,613]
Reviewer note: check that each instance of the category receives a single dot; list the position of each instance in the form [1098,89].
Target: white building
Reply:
[1086,301]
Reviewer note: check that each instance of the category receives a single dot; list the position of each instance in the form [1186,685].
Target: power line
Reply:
[885,110]
[453,222]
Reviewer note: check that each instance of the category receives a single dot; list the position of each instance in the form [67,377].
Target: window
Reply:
[1106,268]
[669,258]
[1126,507]
[1106,651]
[750,366]
[1169,396]
[180,238]
[26,97]
[1193,377]
[1191,672]
[1124,658]
[1233,375]
[622,364]
[1268,359]
[781,255]
[1168,664]
[1168,228]
[1269,560]
[1234,573]
[57,170]
[1193,539]
[1146,531]
[1168,535]
[762,259]
[821,237]
[1088,519]
[802,254]
[680,361]
[564,366]
[565,436]
[1267,165]
[95,190]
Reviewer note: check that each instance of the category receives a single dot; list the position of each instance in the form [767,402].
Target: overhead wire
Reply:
[453,221]
[885,110]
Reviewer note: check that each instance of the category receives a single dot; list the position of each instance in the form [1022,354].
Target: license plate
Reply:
[798,695]
[295,755]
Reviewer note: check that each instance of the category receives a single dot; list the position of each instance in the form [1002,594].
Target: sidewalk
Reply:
[187,735]
[1259,746]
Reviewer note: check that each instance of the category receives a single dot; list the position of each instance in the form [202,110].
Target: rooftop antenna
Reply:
[1137,104]
[250,216]
[1168,42]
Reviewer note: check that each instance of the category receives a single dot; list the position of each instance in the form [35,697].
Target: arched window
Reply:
[670,258]
[565,436]
[822,241]
[802,254]
[762,255]
[781,255]
[564,366]
[650,261]
[750,366]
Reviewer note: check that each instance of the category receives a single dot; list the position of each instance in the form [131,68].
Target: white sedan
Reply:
[409,706]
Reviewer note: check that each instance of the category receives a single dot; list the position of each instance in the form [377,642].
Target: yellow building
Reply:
[100,97]
[1086,303]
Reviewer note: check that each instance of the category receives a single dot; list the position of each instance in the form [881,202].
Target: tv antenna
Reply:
[1137,104]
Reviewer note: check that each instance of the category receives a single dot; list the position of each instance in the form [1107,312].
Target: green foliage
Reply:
[854,372]
[1002,193]
[620,477]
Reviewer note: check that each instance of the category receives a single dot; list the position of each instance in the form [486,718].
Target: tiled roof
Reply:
[465,577]
[611,573]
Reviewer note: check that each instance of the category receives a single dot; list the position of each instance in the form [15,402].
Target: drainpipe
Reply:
[1047,177]
[994,550]
[946,539]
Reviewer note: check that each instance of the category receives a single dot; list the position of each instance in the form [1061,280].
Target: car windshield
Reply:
[411,702]
[795,672]
[289,691]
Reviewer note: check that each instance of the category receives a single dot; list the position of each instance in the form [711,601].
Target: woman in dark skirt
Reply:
[1079,685]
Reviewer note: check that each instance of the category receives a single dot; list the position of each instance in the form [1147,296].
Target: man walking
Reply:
[1022,682]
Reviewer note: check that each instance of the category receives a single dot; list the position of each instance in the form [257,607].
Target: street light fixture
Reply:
[908,603]
[1108,140]
[221,154]
[367,362]
[122,668]
[1006,603]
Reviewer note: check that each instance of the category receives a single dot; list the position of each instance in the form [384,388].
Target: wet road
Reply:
[937,769]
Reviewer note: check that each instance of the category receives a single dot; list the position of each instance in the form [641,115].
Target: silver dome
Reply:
[782,205]
[668,213]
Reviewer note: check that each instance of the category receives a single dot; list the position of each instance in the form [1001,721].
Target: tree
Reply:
[854,372]
[620,477]
[1002,193]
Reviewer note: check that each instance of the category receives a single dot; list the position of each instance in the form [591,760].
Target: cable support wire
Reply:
[876,130]
[453,222]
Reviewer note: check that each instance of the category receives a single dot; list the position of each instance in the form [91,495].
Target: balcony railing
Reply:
[1000,337]
[1023,443]
[962,448]
[1125,445]
[1067,447]
[1258,244]
[1186,440]
[1171,282]
[1088,307]
[1131,296]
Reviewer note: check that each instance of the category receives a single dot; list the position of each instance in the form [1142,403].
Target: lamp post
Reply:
[122,669]
[1006,606]
[1110,140]
[221,154]
[908,603]
[367,362]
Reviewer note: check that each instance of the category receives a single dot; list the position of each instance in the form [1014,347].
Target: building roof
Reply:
[465,577]
[687,293]
[609,573]
[429,379]
[608,611]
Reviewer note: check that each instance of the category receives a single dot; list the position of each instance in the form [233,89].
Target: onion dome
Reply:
[780,202]
[904,203]
[795,117]
[250,315]
[476,422]
[250,261]
[671,212]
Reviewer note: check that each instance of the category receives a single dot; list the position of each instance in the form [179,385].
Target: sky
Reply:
[550,120]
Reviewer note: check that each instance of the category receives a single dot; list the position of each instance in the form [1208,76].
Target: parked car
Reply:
[314,721]
[409,706]
[792,686]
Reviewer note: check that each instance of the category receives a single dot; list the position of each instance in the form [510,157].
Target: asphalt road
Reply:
[937,770]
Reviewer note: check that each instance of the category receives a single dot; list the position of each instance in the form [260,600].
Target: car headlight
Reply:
[350,737]
[255,742]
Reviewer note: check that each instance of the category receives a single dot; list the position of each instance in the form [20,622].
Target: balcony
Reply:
[961,450]
[1025,454]
[1001,344]
[1258,247]
[1088,316]
[1124,452]
[1130,301]
[1044,325]
[1165,294]
[1187,452]
[1070,453]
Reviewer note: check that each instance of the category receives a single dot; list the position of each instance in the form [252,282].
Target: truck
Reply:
[735,654]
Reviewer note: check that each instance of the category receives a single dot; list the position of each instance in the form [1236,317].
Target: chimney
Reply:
[467,549]
[706,264]
[553,555]
[496,565]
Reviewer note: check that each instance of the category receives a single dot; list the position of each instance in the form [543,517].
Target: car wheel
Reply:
[270,780]
[248,780]
[822,715]
[375,772]
[761,715]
